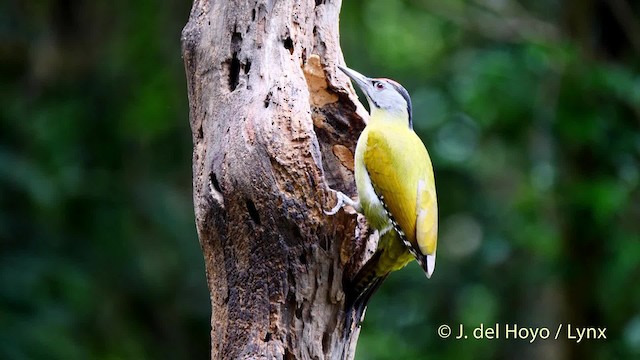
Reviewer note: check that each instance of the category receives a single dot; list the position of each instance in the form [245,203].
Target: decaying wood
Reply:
[274,129]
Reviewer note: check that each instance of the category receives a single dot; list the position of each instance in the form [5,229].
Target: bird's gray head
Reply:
[383,94]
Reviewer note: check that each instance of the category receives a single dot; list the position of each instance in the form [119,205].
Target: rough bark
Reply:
[274,130]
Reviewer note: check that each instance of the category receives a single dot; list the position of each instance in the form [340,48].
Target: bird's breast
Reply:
[371,204]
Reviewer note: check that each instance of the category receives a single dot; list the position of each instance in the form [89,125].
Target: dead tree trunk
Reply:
[274,130]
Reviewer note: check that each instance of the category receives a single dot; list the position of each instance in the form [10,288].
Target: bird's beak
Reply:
[363,82]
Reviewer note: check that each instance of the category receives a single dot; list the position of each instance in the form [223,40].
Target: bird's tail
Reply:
[361,288]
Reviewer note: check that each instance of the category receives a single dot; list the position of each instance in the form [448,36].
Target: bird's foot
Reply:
[344,200]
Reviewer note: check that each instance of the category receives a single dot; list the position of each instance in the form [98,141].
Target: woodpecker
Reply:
[396,187]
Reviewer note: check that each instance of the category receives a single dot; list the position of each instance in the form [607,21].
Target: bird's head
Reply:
[383,95]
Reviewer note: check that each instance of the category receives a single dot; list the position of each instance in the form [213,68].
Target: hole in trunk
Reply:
[326,341]
[288,44]
[234,72]
[234,64]
[214,182]
[253,212]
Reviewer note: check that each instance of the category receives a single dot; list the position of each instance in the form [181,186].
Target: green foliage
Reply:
[532,129]
[534,141]
[99,258]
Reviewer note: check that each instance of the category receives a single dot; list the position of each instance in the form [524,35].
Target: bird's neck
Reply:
[380,117]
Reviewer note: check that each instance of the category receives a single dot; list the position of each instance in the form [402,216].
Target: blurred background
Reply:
[530,110]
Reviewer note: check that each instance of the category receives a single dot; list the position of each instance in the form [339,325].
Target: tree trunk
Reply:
[274,130]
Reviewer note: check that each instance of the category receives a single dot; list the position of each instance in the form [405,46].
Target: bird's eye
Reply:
[378,85]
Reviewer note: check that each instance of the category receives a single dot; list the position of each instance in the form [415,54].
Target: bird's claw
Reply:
[343,200]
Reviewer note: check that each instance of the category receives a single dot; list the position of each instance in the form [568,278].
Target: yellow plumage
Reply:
[394,160]
[401,172]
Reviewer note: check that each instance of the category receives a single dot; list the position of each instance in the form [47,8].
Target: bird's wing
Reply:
[427,218]
[400,169]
